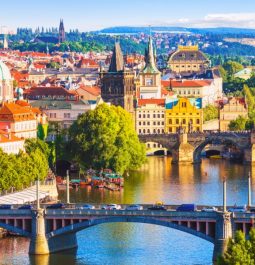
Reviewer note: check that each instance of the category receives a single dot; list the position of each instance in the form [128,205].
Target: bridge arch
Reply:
[73,228]
[15,230]
[210,140]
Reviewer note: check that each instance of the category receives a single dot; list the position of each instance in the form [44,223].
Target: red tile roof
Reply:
[49,91]
[94,90]
[146,101]
[185,83]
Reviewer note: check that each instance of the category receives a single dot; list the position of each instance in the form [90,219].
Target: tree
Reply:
[106,138]
[239,124]
[210,112]
[232,67]
[239,251]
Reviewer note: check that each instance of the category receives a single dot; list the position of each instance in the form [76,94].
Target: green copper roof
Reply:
[150,67]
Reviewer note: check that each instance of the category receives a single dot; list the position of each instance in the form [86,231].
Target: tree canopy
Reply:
[106,138]
[240,251]
[210,112]
[20,170]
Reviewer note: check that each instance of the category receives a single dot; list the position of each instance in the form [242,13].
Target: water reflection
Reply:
[121,243]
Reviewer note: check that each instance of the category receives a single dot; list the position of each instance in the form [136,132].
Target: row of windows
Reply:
[25,126]
[149,131]
[173,130]
[189,66]
[153,123]
[151,116]
[176,114]
[188,92]
[149,111]
[182,121]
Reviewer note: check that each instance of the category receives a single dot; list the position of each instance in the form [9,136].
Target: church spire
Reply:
[117,61]
[61,32]
[150,66]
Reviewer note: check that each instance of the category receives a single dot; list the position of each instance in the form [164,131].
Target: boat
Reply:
[215,157]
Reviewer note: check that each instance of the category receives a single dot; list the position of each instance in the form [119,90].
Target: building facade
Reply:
[150,76]
[117,85]
[150,116]
[187,60]
[6,83]
[183,114]
[20,121]
[11,144]
[233,109]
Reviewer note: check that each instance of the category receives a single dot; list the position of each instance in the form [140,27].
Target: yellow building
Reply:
[184,114]
[188,60]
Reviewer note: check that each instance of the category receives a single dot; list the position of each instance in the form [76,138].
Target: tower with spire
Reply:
[117,85]
[61,32]
[150,76]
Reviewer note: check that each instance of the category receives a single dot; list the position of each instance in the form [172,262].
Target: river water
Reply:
[128,244]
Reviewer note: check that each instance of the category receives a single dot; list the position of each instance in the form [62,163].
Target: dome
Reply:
[5,73]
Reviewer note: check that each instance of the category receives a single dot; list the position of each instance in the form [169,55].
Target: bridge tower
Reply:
[184,152]
[222,234]
[39,243]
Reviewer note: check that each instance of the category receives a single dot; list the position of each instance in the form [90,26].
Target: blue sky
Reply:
[97,14]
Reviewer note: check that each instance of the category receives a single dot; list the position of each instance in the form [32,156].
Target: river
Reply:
[128,244]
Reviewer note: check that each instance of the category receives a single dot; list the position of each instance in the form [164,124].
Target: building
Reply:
[244,73]
[150,116]
[230,111]
[150,76]
[11,144]
[6,83]
[117,85]
[187,60]
[197,88]
[183,114]
[64,112]
[20,121]
[61,32]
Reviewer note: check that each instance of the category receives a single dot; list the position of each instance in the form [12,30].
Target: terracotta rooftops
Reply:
[15,112]
[146,101]
[185,83]
[6,137]
[94,90]
[49,91]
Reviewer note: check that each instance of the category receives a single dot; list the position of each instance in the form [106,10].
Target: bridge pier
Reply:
[184,152]
[39,243]
[222,234]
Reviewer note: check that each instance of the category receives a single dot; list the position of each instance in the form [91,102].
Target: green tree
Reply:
[106,138]
[232,67]
[239,251]
[239,124]
[210,112]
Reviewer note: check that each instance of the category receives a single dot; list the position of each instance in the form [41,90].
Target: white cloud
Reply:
[236,20]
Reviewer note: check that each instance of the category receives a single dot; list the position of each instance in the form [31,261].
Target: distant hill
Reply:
[133,30]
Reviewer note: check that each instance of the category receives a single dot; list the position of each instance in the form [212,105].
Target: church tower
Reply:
[5,41]
[61,32]
[150,76]
[117,85]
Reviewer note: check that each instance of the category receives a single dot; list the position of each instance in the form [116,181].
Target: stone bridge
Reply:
[186,148]
[53,230]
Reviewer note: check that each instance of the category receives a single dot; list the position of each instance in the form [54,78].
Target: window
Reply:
[140,131]
[148,82]
[162,115]
[148,131]
[158,115]
[177,121]
[183,121]
[184,104]
[140,116]
[158,122]
[198,121]
[67,115]
[140,123]
[154,115]
[154,123]
[162,123]
[144,123]
[144,116]
[170,121]
[148,123]
[148,115]
[170,130]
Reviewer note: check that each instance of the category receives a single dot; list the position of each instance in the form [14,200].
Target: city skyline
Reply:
[96,15]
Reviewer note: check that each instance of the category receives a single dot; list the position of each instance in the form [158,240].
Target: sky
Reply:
[89,15]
